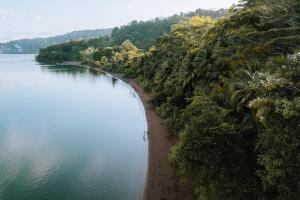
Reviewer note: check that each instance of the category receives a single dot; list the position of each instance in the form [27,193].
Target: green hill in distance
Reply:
[32,46]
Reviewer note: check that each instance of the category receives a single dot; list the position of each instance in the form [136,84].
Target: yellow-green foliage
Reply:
[230,90]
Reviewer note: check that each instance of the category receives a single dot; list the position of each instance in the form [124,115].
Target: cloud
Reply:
[6,13]
[20,24]
[19,143]
[10,13]
[34,16]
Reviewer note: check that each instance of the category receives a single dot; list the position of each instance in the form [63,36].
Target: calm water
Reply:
[68,133]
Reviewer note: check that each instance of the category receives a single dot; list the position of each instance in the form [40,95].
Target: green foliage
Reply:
[118,59]
[230,90]
[70,51]
[277,107]
[212,148]
[144,34]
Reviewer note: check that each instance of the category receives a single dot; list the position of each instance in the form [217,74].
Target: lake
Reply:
[69,133]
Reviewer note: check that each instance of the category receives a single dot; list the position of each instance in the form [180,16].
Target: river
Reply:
[69,133]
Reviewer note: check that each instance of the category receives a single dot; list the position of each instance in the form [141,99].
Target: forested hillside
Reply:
[229,89]
[142,34]
[32,46]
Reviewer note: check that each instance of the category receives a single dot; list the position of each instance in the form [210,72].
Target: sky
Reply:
[44,18]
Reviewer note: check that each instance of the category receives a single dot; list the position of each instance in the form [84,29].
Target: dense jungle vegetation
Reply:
[144,34]
[229,89]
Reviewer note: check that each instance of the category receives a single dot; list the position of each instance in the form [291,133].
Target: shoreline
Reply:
[162,182]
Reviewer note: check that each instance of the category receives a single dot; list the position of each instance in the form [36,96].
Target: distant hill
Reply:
[32,46]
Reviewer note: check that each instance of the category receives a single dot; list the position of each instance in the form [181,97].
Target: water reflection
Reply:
[21,152]
[71,140]
[114,81]
[72,70]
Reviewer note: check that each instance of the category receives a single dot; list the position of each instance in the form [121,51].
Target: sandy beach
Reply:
[162,182]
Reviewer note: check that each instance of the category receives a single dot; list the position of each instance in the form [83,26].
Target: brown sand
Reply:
[162,182]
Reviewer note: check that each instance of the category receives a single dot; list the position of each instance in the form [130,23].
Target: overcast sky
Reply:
[43,18]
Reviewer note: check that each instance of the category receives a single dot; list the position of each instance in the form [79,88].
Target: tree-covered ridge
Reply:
[230,90]
[32,46]
[141,34]
[144,34]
